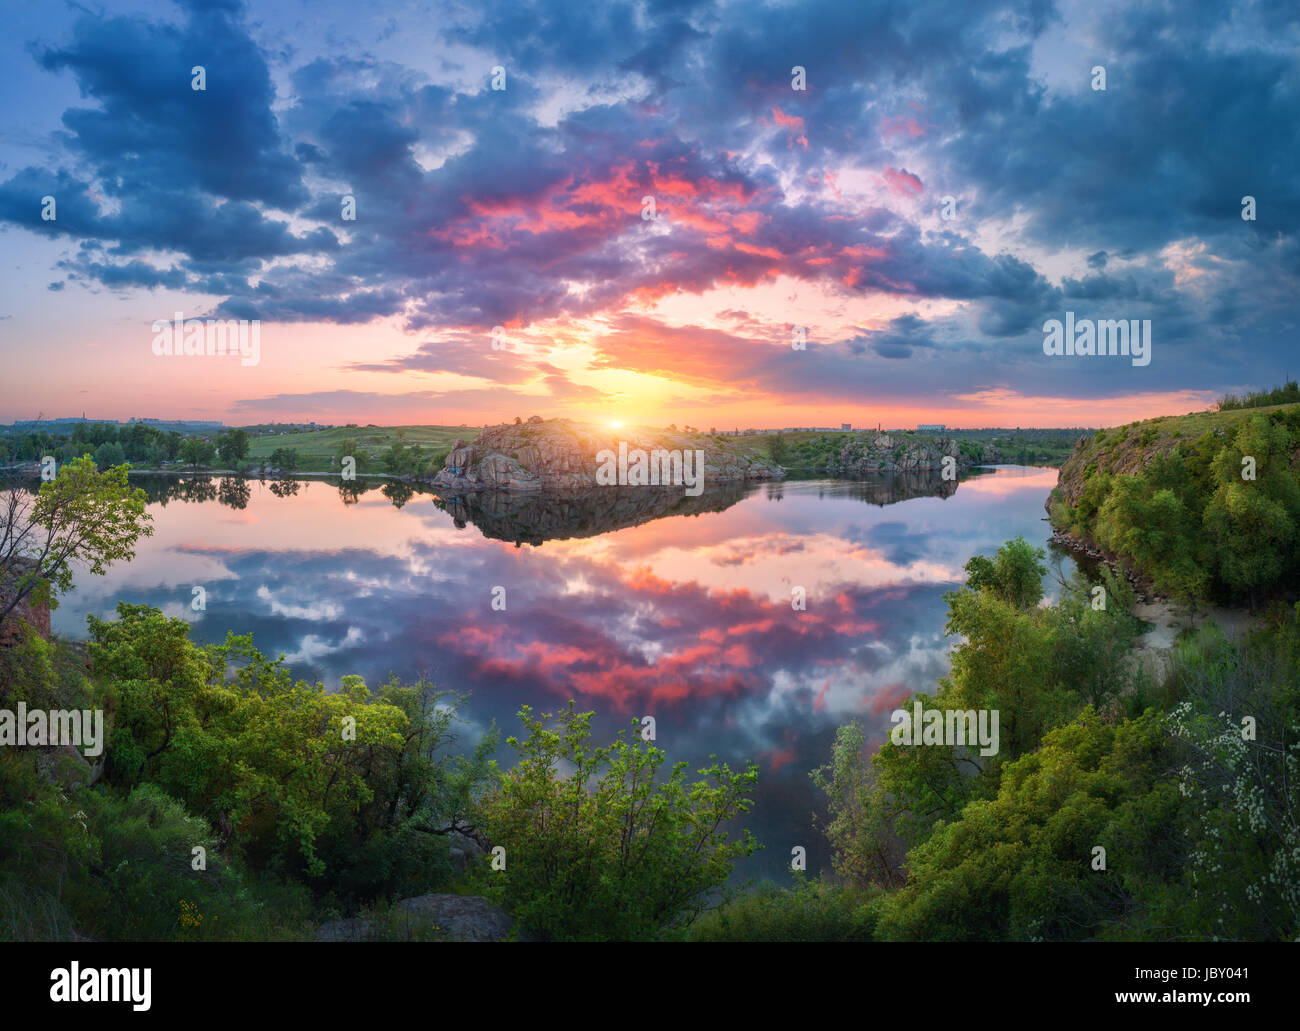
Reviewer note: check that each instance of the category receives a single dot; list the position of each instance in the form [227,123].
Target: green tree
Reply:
[865,849]
[1015,574]
[350,790]
[81,517]
[233,447]
[1020,865]
[1254,521]
[349,447]
[197,452]
[399,459]
[109,454]
[285,459]
[776,449]
[606,852]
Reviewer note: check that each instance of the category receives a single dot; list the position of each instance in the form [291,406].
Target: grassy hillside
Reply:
[1203,506]
[317,448]
[810,449]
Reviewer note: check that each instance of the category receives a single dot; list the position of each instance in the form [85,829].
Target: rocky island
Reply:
[872,453]
[562,454]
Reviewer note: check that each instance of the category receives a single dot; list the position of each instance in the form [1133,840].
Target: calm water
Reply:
[631,602]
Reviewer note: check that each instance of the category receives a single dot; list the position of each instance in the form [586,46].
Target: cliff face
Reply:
[1120,455]
[885,453]
[560,453]
[1129,449]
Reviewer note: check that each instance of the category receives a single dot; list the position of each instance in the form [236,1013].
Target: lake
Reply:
[632,601]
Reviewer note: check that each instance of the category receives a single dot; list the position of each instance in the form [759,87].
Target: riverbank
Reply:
[1167,619]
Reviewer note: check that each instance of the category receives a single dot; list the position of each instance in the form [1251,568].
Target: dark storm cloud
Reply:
[474,209]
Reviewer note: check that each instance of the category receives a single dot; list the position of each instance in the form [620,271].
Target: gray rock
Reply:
[463,917]
[349,930]
[561,454]
[470,918]
[65,767]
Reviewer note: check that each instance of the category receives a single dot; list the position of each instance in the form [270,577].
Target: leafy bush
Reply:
[811,911]
[606,852]
[1194,522]
[348,790]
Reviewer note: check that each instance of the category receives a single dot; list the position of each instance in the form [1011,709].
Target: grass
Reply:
[1162,434]
[317,448]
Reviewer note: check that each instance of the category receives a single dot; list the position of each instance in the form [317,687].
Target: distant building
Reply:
[935,428]
[846,426]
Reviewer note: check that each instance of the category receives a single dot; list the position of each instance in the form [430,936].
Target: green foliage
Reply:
[1020,865]
[1015,574]
[865,849]
[811,911]
[1253,523]
[233,447]
[1092,635]
[349,447]
[197,453]
[146,887]
[91,863]
[1288,393]
[346,790]
[108,455]
[607,851]
[403,460]
[284,458]
[1038,667]
[1194,806]
[1238,733]
[82,518]
[1197,521]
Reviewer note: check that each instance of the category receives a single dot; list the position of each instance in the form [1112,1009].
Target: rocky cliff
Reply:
[559,453]
[869,453]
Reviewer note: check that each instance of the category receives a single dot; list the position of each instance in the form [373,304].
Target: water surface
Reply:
[631,602]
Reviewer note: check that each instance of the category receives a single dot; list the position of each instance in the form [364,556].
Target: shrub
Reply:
[606,852]
[811,911]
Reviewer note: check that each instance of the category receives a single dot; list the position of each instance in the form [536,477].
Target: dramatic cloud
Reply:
[650,192]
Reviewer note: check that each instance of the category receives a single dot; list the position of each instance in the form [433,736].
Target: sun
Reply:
[615,424]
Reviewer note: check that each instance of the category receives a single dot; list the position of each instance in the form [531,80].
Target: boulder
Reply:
[65,767]
[349,930]
[469,918]
[463,917]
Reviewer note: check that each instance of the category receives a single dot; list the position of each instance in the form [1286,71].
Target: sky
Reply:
[884,245]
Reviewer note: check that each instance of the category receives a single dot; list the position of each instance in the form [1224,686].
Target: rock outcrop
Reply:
[466,918]
[560,453]
[869,453]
